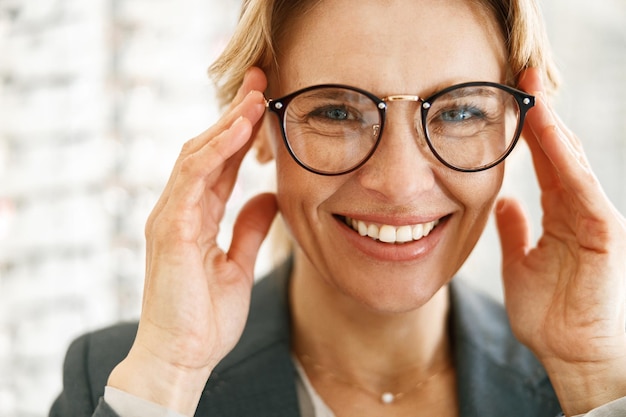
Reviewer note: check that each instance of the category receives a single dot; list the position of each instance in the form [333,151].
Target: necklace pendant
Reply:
[387,398]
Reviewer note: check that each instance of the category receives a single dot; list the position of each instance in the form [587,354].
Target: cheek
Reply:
[289,180]
[300,202]
[295,186]
[477,193]
[476,190]
[482,193]
[298,192]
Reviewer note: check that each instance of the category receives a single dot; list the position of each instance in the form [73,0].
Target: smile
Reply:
[392,234]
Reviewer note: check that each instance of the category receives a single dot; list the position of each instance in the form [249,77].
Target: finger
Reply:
[251,108]
[250,229]
[254,79]
[224,188]
[543,119]
[255,83]
[513,229]
[562,166]
[200,170]
[557,153]
[530,81]
[247,103]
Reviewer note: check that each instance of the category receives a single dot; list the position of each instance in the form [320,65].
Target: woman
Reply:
[388,122]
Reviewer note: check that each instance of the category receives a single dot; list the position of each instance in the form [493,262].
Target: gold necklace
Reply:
[386,397]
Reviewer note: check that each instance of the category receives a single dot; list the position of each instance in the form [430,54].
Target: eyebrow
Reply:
[332,92]
[473,91]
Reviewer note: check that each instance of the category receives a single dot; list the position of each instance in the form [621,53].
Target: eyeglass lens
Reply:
[335,129]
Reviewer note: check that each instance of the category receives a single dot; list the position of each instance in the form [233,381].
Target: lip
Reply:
[402,252]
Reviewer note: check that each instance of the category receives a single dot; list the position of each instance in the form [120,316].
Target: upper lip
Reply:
[391,220]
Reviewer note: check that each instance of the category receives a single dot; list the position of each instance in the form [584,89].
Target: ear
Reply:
[264,140]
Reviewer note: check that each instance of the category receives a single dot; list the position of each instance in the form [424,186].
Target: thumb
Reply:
[513,230]
[250,229]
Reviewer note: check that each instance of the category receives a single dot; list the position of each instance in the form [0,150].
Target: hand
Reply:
[566,297]
[196,296]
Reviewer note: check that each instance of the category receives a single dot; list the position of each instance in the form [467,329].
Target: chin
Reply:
[394,296]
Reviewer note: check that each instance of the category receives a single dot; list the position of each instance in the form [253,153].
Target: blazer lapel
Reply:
[496,375]
[258,377]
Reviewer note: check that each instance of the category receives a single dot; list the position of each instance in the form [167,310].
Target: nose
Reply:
[401,169]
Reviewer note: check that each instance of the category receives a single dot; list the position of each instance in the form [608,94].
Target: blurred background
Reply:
[96,99]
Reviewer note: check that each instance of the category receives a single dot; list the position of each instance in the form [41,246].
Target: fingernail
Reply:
[236,122]
[540,95]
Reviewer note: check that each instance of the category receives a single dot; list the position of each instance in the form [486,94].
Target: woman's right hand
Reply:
[196,296]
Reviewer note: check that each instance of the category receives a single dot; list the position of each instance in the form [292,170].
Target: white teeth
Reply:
[428,227]
[418,231]
[404,234]
[392,234]
[372,230]
[362,228]
[387,234]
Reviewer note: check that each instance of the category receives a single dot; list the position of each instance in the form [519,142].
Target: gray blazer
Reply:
[497,376]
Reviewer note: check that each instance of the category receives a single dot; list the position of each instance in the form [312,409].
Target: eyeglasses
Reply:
[334,129]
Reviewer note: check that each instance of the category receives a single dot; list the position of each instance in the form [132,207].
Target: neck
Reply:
[379,349]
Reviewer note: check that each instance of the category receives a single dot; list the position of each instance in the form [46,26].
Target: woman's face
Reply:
[387,47]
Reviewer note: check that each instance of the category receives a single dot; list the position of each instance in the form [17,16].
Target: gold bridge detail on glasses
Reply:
[401,97]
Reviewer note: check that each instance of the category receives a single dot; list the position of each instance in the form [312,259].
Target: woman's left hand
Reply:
[566,297]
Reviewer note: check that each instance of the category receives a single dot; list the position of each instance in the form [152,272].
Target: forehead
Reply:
[390,46]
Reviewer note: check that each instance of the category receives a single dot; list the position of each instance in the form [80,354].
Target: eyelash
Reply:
[474,109]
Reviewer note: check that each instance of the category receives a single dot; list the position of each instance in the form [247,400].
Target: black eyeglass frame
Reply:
[524,101]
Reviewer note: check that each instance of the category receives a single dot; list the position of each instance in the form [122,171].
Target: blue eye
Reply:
[461,114]
[333,113]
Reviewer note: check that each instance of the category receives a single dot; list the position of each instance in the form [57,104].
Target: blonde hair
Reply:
[263,22]
[253,44]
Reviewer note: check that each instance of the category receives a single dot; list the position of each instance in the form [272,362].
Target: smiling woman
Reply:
[388,154]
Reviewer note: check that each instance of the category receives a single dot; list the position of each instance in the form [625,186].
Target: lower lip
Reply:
[396,252]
